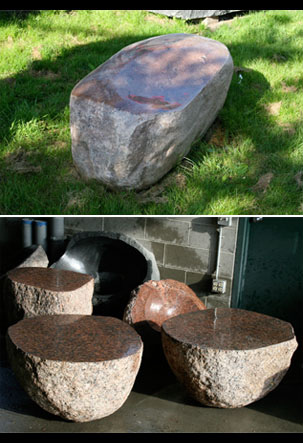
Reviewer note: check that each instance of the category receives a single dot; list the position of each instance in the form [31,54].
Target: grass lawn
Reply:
[250,162]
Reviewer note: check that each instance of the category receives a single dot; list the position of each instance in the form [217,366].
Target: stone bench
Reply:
[226,357]
[136,116]
[81,368]
[32,291]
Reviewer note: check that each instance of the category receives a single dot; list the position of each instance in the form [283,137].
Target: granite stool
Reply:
[228,357]
[136,115]
[32,291]
[31,256]
[80,367]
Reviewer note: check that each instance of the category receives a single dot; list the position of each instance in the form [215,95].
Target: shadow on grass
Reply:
[42,91]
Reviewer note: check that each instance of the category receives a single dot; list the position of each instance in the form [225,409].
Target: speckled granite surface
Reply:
[75,338]
[57,280]
[81,368]
[224,328]
[228,357]
[35,291]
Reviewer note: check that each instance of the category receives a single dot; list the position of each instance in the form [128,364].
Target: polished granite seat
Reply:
[228,357]
[80,367]
[153,302]
[32,291]
[135,116]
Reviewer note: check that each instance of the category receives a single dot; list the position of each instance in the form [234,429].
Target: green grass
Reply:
[258,132]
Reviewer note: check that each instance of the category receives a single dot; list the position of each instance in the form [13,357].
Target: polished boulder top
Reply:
[228,328]
[75,338]
[156,301]
[159,74]
[50,279]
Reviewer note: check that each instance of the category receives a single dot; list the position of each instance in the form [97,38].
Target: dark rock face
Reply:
[136,116]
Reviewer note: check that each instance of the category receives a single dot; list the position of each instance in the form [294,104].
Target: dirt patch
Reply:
[19,161]
[263,183]
[273,108]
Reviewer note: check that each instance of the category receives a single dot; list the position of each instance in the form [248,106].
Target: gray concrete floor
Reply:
[159,404]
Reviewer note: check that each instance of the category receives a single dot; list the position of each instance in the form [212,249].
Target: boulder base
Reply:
[228,358]
[81,368]
[135,116]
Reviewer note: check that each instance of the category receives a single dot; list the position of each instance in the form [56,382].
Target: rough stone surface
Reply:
[228,358]
[154,302]
[37,259]
[41,291]
[188,14]
[81,368]
[135,116]
[33,256]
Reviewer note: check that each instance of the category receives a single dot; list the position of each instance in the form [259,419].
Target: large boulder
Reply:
[228,357]
[135,116]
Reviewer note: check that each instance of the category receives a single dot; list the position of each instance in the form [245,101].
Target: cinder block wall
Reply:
[185,247]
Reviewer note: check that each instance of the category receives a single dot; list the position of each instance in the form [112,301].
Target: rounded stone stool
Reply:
[32,291]
[80,367]
[153,302]
[227,357]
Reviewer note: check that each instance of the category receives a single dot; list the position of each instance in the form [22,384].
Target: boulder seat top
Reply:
[75,338]
[229,329]
[156,75]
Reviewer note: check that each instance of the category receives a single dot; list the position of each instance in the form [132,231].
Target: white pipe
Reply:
[27,232]
[219,252]
[41,233]
[57,228]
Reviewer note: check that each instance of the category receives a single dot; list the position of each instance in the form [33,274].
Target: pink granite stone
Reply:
[80,367]
[153,302]
[135,116]
[227,357]
[31,291]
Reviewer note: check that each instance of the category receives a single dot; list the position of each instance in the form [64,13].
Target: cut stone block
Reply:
[81,368]
[136,116]
[227,357]
[42,291]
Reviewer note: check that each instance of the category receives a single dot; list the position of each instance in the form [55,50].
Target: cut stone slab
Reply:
[189,14]
[81,368]
[29,292]
[227,357]
[135,116]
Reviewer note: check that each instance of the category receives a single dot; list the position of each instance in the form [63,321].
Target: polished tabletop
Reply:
[75,338]
[50,279]
[228,328]
[158,74]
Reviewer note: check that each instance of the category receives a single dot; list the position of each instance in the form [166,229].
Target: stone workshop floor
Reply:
[159,404]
